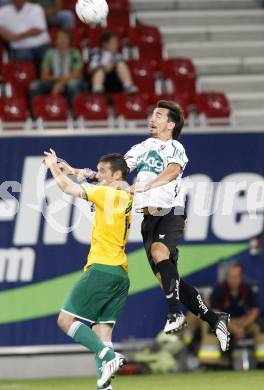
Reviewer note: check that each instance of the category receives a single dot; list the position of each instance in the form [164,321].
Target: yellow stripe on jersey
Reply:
[110,226]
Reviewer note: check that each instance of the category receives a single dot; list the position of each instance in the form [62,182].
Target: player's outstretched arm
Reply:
[165,177]
[64,183]
[81,174]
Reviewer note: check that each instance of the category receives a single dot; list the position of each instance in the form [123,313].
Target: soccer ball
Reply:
[92,11]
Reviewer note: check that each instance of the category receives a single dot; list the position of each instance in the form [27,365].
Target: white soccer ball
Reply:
[92,11]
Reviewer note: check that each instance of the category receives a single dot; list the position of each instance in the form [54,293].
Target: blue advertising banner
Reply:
[44,236]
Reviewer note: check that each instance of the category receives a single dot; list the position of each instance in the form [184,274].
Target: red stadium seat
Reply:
[19,74]
[213,105]
[132,107]
[143,74]
[13,109]
[119,14]
[148,40]
[119,4]
[1,60]
[177,98]
[14,114]
[182,74]
[50,108]
[91,106]
[69,4]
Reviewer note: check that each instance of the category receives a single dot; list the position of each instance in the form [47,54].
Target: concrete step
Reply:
[202,18]
[215,49]
[246,101]
[248,117]
[213,33]
[192,4]
[231,83]
[231,65]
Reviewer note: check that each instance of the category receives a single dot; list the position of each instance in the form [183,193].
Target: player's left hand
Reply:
[50,158]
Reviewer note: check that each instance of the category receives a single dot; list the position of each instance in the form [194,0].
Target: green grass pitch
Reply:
[253,380]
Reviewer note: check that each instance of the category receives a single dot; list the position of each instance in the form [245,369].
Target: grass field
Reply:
[253,380]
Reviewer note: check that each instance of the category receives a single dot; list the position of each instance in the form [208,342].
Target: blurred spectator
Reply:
[256,245]
[236,297]
[56,15]
[107,67]
[61,70]
[5,2]
[23,25]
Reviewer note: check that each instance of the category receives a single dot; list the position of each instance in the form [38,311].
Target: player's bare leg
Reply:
[98,79]
[124,75]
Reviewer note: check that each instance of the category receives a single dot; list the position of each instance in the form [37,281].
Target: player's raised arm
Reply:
[169,174]
[81,174]
[64,183]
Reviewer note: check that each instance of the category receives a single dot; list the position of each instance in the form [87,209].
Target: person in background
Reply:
[56,15]
[61,70]
[237,298]
[5,2]
[108,68]
[23,26]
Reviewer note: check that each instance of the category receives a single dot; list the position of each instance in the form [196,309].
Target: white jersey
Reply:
[150,158]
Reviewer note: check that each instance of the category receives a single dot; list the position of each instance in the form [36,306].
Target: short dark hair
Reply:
[175,115]
[117,162]
[106,36]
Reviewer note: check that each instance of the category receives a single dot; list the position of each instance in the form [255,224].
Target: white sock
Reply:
[108,344]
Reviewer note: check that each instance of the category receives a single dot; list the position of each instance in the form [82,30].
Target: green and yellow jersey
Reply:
[110,226]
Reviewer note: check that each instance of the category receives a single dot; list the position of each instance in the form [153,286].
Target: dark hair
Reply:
[106,37]
[117,162]
[175,115]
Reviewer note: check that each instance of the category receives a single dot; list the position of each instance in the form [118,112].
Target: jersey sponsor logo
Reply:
[150,162]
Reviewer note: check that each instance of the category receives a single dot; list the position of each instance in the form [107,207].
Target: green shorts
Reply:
[99,295]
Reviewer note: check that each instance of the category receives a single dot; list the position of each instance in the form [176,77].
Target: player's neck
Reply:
[163,138]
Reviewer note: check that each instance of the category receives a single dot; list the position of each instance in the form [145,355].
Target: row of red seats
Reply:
[95,107]
[180,71]
[147,39]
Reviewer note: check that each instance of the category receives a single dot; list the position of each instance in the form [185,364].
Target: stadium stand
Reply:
[50,111]
[132,107]
[91,110]
[14,113]
[19,75]
[181,48]
[225,42]
[213,108]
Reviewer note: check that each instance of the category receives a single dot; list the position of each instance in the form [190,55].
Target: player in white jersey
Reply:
[160,162]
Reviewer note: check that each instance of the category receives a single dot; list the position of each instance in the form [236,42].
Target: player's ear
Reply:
[171,125]
[117,175]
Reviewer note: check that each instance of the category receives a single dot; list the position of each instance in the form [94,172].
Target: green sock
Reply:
[82,334]
[98,362]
